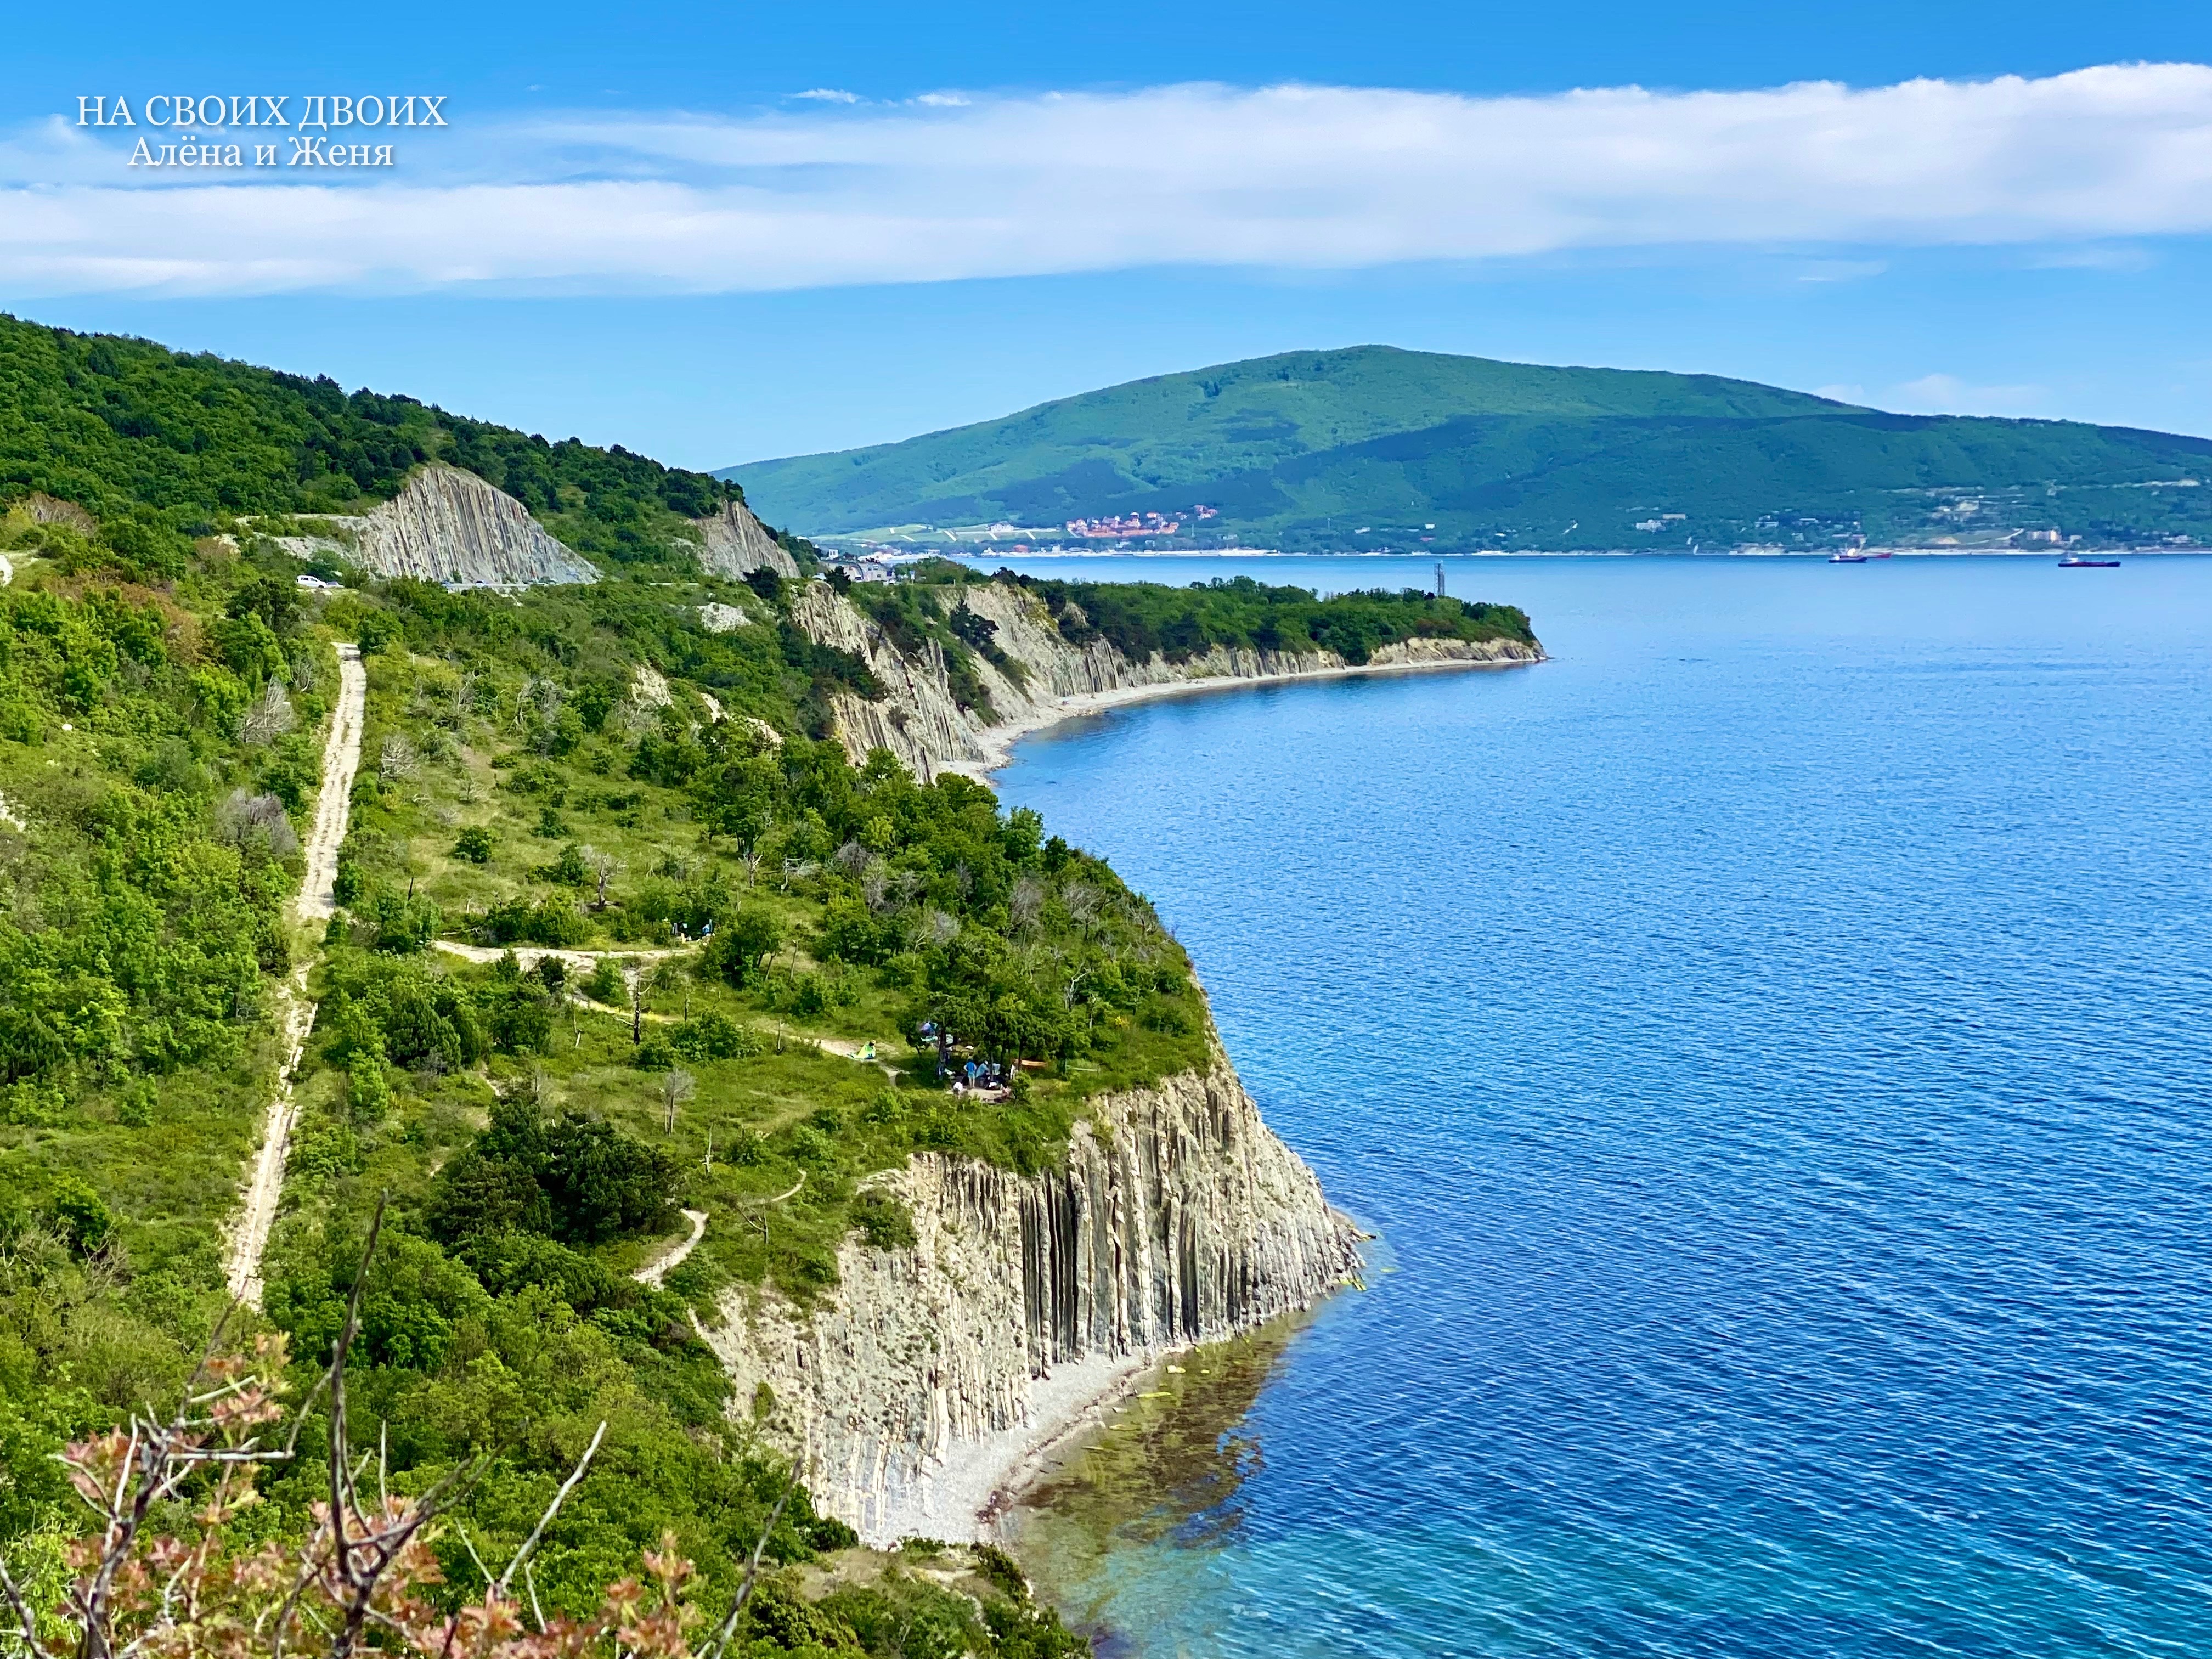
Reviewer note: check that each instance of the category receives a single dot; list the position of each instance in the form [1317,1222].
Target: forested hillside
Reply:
[162,446]
[1373,447]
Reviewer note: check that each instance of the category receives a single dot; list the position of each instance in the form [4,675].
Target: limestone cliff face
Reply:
[1178,1218]
[921,722]
[451,526]
[733,543]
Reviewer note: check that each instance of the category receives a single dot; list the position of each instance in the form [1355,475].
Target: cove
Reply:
[1769,1040]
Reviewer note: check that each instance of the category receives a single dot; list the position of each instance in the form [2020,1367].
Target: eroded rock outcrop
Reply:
[922,721]
[928,1373]
[733,543]
[448,525]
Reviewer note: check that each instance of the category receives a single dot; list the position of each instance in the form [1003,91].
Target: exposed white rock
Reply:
[449,526]
[924,1381]
[718,618]
[733,543]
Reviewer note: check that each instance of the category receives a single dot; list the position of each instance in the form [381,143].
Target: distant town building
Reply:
[1129,524]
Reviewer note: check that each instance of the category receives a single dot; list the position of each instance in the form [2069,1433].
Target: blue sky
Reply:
[637,229]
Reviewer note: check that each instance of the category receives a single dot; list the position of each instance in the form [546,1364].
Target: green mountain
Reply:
[1374,448]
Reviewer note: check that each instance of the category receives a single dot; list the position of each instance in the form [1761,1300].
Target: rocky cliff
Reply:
[924,1378]
[921,722]
[733,543]
[451,526]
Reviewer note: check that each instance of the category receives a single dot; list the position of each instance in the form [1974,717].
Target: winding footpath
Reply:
[249,1235]
[654,1272]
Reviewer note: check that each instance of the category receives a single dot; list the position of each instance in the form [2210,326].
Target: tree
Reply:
[602,866]
[641,978]
[742,945]
[676,1088]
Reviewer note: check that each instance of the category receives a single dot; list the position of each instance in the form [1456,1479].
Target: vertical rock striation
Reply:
[916,1387]
[449,526]
[733,543]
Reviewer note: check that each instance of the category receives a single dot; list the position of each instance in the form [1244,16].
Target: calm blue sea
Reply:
[1773,1040]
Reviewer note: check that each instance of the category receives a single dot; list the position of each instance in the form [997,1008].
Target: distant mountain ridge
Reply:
[1372,446]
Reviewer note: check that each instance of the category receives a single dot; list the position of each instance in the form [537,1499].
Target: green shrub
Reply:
[713,1034]
[883,1220]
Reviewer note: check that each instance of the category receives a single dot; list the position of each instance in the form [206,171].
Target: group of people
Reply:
[984,1079]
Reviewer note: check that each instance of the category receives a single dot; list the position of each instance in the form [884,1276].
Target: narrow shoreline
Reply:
[980,1481]
[1020,1477]
[997,742]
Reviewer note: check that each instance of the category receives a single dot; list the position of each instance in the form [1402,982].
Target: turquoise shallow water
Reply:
[1771,1040]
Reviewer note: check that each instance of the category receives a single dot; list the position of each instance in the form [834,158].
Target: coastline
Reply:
[997,742]
[986,1480]
[1066,1417]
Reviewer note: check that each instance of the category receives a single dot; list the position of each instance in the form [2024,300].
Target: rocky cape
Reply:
[916,1394]
[921,722]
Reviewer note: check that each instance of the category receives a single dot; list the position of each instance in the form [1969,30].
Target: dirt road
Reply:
[249,1235]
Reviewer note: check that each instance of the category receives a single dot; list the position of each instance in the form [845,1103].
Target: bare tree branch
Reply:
[552,1509]
[715,1649]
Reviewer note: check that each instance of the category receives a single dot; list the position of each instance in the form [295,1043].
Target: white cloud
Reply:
[1946,394]
[1294,177]
[1841,270]
[828,96]
[943,100]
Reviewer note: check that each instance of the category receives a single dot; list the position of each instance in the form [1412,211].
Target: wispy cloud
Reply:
[1946,394]
[1290,177]
[827,95]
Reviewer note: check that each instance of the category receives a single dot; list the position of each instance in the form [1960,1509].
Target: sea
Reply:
[1771,1044]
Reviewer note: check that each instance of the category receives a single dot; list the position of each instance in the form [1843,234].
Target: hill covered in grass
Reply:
[1374,448]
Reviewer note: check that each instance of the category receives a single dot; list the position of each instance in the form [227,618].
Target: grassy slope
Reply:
[479,769]
[1305,447]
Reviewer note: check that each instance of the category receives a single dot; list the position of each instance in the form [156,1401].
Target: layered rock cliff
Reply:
[927,1374]
[921,722]
[451,526]
[733,543]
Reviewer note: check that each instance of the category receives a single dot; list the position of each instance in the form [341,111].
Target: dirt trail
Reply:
[654,1272]
[527,956]
[249,1235]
